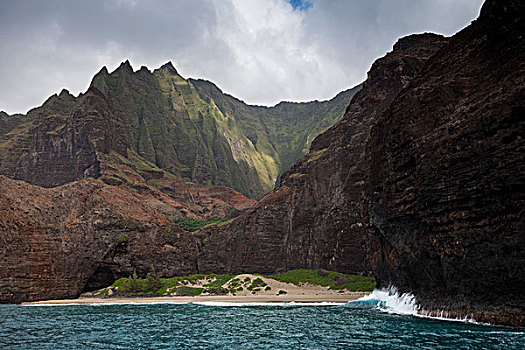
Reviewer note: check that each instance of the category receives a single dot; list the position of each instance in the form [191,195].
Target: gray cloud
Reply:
[261,51]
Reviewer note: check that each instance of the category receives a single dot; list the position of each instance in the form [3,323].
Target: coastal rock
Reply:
[446,176]
[315,218]
[56,243]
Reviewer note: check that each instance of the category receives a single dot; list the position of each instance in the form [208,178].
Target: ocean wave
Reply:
[389,300]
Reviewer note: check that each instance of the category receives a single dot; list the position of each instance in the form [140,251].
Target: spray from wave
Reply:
[389,300]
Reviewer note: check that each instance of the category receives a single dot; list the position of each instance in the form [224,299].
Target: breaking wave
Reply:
[389,300]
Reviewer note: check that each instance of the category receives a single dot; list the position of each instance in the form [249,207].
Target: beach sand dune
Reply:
[270,291]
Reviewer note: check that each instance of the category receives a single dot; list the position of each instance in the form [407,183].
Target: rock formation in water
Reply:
[315,218]
[447,183]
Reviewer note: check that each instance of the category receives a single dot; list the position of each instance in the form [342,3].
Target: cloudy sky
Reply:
[261,51]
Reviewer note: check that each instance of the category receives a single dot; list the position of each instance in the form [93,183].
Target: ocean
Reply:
[364,324]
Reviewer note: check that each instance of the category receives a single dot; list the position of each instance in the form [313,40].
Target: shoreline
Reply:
[320,298]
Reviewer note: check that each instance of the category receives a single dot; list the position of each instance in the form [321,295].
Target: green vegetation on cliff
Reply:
[143,124]
[283,132]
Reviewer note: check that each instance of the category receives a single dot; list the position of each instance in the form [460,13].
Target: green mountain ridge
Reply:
[183,129]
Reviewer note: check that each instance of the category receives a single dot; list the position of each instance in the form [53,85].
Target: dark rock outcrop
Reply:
[63,148]
[447,185]
[56,243]
[316,219]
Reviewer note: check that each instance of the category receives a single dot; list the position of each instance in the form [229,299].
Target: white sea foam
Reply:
[51,304]
[237,304]
[389,300]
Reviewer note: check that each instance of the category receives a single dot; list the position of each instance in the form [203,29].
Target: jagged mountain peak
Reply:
[169,70]
[65,94]
[126,66]
[103,71]
[169,67]
[188,128]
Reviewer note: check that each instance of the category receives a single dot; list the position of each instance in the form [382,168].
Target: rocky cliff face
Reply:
[63,145]
[425,172]
[188,129]
[56,243]
[143,135]
[316,218]
[446,176]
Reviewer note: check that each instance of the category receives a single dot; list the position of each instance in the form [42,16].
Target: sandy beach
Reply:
[306,293]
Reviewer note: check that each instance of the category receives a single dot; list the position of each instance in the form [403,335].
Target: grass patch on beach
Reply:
[334,280]
[189,291]
[256,284]
[219,280]
[211,283]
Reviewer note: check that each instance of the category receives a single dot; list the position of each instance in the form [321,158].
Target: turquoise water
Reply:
[357,325]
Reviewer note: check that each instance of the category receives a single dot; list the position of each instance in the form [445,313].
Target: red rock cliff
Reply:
[56,243]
